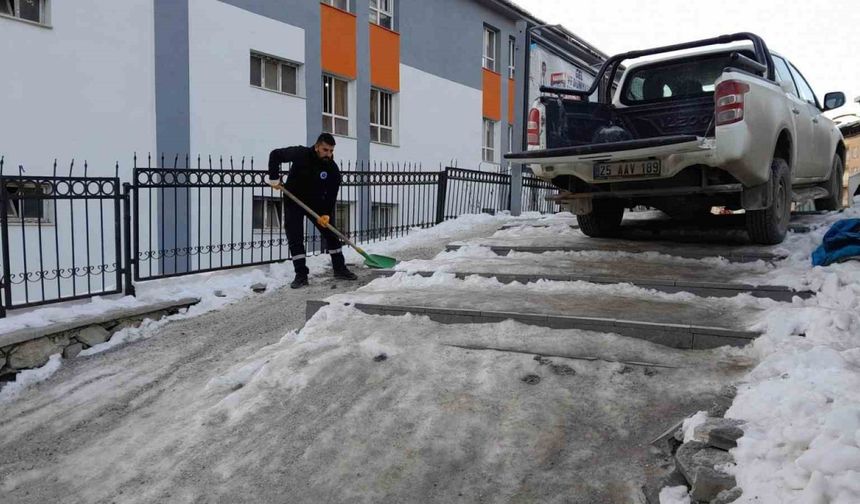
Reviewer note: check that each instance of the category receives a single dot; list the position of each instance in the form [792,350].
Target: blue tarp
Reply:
[842,242]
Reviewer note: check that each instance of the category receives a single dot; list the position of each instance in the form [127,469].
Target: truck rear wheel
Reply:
[604,219]
[770,225]
[834,185]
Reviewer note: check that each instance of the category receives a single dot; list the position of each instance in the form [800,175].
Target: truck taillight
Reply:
[533,127]
[729,98]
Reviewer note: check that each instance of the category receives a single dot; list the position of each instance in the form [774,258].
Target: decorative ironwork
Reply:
[72,237]
[61,238]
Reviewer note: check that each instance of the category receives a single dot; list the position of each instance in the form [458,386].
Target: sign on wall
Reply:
[549,69]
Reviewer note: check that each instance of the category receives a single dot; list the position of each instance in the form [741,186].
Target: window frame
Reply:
[382,211]
[14,7]
[379,126]
[16,206]
[512,44]
[279,216]
[492,60]
[281,63]
[377,12]
[331,3]
[343,216]
[331,100]
[776,59]
[488,132]
[798,78]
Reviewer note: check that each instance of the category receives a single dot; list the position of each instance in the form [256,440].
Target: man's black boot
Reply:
[345,274]
[299,281]
[338,264]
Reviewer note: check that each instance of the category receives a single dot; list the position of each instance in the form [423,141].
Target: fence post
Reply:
[128,260]
[441,195]
[516,195]
[7,263]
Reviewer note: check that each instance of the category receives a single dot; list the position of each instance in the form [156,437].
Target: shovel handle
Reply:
[316,216]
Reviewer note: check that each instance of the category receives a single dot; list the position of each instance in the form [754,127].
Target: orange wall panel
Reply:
[338,41]
[511,101]
[384,58]
[492,86]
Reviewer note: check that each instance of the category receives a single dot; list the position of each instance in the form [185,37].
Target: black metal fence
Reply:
[67,238]
[534,195]
[61,238]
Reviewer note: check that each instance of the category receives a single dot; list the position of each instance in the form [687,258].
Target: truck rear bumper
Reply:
[674,153]
[649,193]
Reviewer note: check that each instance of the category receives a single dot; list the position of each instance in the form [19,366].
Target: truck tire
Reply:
[604,219]
[770,225]
[834,185]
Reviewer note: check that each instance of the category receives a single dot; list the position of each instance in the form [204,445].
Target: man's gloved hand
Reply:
[275,183]
[323,220]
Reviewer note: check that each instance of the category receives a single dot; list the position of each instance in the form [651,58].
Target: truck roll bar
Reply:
[763,62]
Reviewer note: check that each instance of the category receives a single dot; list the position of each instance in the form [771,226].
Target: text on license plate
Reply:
[648,168]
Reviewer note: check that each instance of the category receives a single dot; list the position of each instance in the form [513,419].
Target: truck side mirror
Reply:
[834,100]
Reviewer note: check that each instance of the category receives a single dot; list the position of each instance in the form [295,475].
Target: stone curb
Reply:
[739,257]
[672,335]
[30,333]
[703,289]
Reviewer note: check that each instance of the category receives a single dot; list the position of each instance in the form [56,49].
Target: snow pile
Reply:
[802,402]
[30,377]
[674,495]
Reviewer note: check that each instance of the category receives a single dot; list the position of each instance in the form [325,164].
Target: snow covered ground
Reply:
[320,415]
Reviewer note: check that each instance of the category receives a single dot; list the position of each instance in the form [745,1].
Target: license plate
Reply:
[623,169]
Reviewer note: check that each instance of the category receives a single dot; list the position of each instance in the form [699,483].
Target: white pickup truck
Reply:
[735,126]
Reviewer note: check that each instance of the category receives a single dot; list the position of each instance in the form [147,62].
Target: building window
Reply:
[274,74]
[29,10]
[26,205]
[382,219]
[335,105]
[341,217]
[268,213]
[510,138]
[340,4]
[489,141]
[512,43]
[381,117]
[382,13]
[489,61]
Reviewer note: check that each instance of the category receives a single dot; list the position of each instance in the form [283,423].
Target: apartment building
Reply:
[422,81]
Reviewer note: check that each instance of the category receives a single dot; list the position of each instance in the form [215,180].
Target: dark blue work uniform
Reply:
[315,182]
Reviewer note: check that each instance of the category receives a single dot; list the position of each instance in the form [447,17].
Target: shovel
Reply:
[371,260]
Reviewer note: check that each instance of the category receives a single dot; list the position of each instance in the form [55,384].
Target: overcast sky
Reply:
[821,37]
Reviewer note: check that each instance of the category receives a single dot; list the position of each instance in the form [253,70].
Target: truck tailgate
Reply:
[615,151]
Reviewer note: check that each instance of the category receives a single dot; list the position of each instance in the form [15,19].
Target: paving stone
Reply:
[94,334]
[728,496]
[72,350]
[696,461]
[722,433]
[259,287]
[33,354]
